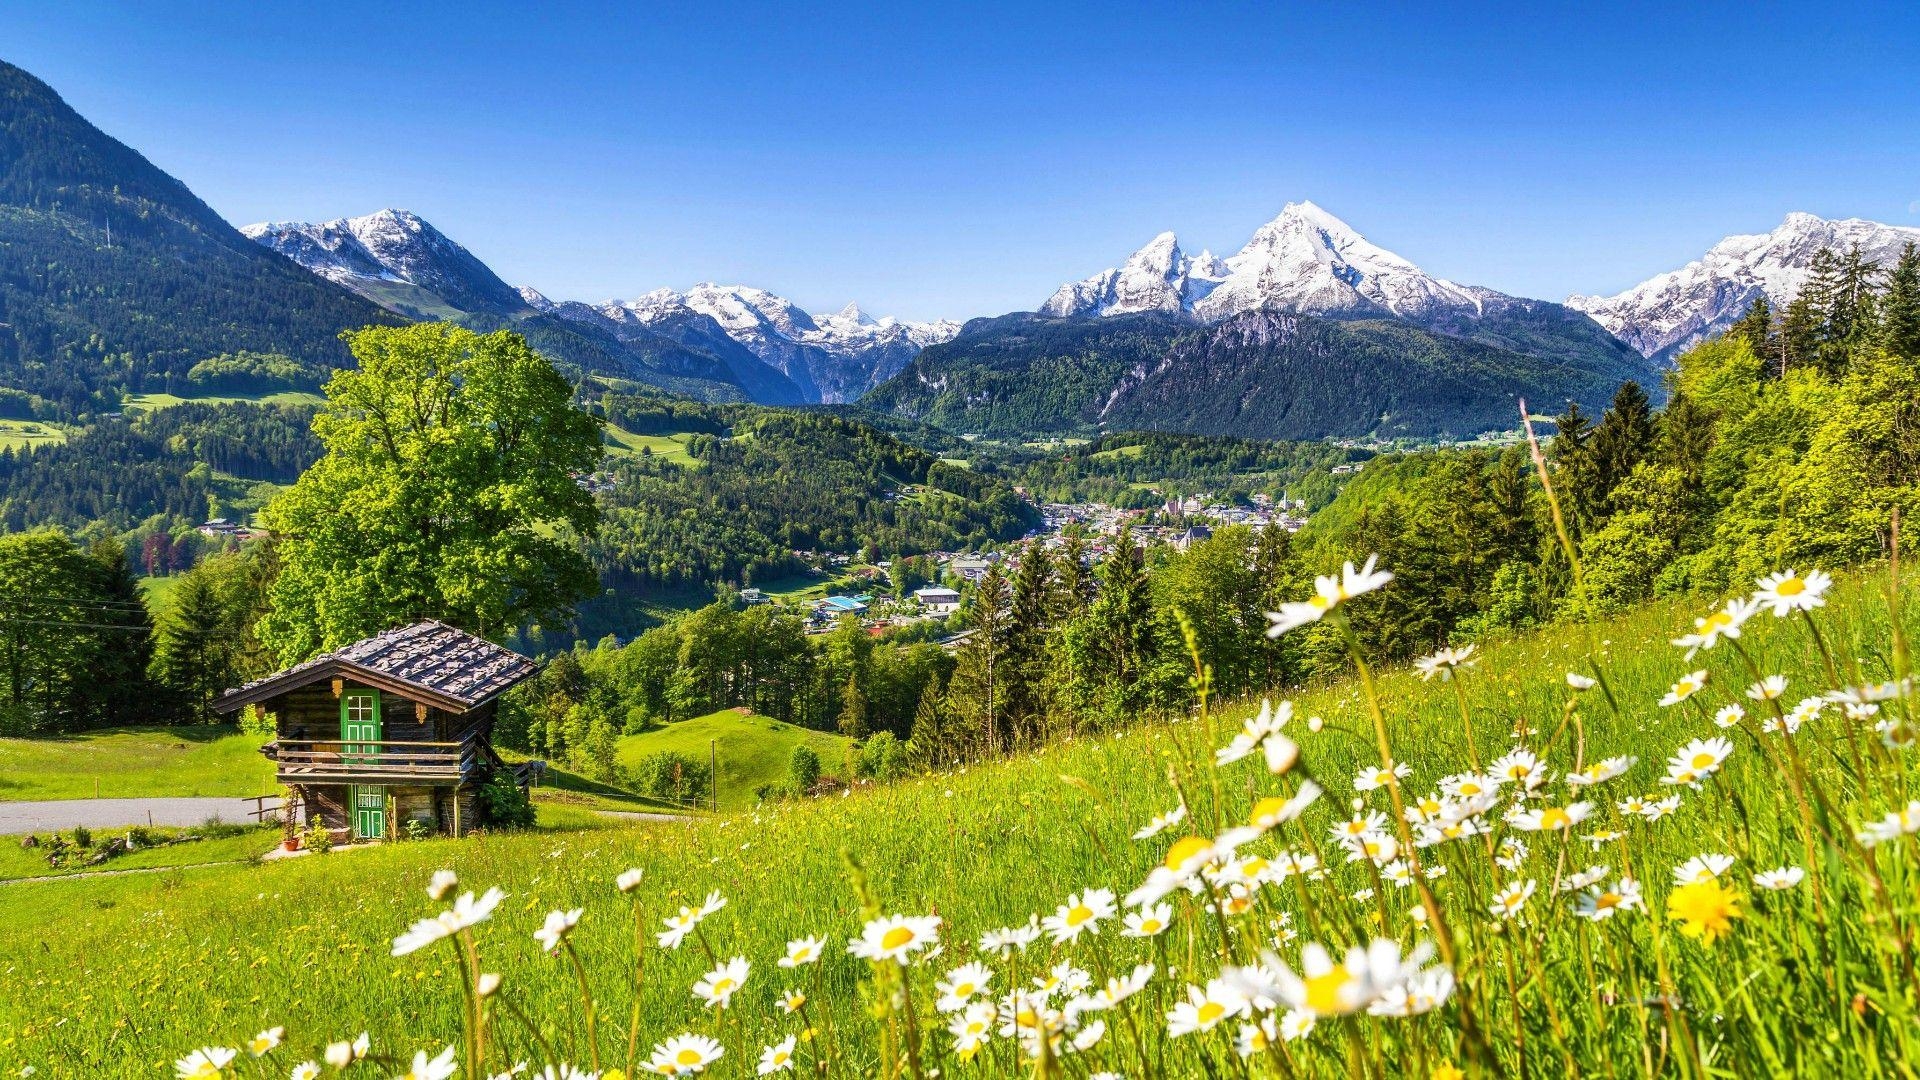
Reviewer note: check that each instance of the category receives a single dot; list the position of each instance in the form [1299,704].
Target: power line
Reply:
[128,604]
[81,625]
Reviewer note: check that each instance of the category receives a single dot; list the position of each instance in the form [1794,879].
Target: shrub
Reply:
[213,829]
[803,769]
[82,836]
[319,838]
[504,804]
[668,775]
[883,757]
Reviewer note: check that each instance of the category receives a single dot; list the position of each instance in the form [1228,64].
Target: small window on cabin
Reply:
[360,708]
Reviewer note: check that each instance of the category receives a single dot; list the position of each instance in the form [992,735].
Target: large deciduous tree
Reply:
[447,491]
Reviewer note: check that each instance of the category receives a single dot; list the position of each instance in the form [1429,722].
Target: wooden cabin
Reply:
[394,728]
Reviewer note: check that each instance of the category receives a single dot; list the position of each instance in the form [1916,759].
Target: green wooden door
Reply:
[369,811]
[360,734]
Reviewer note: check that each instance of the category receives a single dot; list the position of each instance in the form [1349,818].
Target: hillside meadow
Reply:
[125,763]
[752,750]
[1718,976]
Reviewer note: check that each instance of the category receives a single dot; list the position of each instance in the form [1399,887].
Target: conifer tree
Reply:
[927,742]
[1029,643]
[1900,307]
[1620,441]
[853,711]
[1756,326]
[1799,339]
[973,694]
[1076,577]
[1574,459]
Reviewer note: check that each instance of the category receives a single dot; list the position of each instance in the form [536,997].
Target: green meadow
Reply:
[126,763]
[751,750]
[1727,980]
[30,434]
[138,402]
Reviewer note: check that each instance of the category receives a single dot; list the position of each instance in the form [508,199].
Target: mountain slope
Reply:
[1309,262]
[1666,313]
[113,276]
[829,358]
[758,345]
[389,256]
[1262,374]
[398,260]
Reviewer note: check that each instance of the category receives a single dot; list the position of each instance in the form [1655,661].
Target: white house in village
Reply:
[937,600]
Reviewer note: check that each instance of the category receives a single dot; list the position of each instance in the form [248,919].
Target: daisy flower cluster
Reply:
[1279,918]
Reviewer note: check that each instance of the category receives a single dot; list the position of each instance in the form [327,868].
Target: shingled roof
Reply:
[428,661]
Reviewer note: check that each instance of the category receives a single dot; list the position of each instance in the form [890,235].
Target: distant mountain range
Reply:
[1261,373]
[1309,330]
[765,344]
[115,278]
[1668,312]
[1305,261]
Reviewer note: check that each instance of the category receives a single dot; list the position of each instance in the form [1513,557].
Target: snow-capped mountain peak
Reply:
[1308,260]
[1158,277]
[852,315]
[1668,312]
[391,246]
[1304,260]
[830,357]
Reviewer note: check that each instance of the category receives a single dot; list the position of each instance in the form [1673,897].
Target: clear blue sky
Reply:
[961,162]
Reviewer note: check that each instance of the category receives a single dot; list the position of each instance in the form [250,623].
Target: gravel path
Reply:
[27,817]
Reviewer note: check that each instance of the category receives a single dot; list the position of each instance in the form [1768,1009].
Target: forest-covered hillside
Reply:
[1260,374]
[113,276]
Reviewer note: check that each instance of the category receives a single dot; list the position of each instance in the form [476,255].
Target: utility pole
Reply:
[713,770]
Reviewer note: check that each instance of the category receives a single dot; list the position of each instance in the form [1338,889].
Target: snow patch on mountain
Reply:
[1158,277]
[390,246]
[833,357]
[1669,312]
[1305,260]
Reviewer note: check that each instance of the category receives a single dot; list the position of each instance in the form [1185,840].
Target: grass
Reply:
[30,434]
[225,846]
[127,763]
[118,976]
[137,402]
[753,750]
[665,447]
[158,593]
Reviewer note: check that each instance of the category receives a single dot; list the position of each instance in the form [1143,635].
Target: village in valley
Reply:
[867,593]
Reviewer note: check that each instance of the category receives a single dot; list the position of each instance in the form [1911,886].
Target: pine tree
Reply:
[1579,478]
[1799,339]
[1028,644]
[973,694]
[1110,650]
[1756,326]
[853,711]
[1621,441]
[1900,306]
[1685,435]
[1076,577]
[194,648]
[927,743]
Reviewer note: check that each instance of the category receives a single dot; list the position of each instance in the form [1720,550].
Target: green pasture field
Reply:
[119,976]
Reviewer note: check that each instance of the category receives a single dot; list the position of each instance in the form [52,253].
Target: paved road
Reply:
[639,815]
[26,817]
